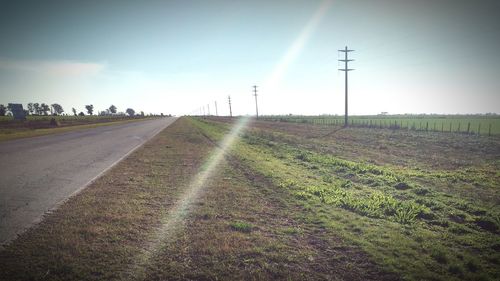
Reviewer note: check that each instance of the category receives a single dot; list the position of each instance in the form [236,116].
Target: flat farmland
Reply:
[284,201]
[41,125]
[471,124]
[424,205]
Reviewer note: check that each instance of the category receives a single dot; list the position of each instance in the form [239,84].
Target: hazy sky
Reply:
[426,56]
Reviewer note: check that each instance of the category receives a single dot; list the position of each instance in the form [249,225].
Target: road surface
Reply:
[38,173]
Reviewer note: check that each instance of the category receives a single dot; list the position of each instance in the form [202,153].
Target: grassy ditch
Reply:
[408,220]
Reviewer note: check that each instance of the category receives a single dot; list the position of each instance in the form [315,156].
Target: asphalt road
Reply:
[38,173]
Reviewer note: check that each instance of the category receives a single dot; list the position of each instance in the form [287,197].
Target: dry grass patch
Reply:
[97,234]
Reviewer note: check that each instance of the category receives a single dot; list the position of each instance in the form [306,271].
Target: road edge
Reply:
[83,187]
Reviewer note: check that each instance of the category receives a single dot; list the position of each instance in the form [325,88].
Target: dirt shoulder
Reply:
[240,226]
[97,234]
[244,228]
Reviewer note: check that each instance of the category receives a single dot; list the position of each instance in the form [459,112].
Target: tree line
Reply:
[43,109]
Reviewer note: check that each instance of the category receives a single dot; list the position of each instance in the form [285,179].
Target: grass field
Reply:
[41,125]
[66,119]
[423,205]
[287,202]
[472,124]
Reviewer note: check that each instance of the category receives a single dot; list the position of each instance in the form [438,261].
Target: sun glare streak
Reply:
[294,50]
[173,221]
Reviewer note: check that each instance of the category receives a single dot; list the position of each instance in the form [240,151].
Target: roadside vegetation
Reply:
[42,119]
[240,227]
[288,202]
[423,217]
[35,126]
[55,109]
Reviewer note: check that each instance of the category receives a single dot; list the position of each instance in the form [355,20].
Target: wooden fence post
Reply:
[479,129]
[468,128]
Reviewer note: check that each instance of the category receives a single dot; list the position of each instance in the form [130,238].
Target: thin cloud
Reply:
[59,68]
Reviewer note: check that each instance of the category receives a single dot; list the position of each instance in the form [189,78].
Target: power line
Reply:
[256,106]
[346,70]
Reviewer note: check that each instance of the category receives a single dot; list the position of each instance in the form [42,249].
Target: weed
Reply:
[241,226]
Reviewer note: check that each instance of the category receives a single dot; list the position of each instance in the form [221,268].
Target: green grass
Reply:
[411,221]
[241,226]
[437,123]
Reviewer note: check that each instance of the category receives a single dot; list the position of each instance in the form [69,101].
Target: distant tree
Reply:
[112,109]
[74,111]
[57,108]
[130,112]
[142,113]
[44,108]
[90,109]
[81,113]
[3,110]
[31,109]
[36,108]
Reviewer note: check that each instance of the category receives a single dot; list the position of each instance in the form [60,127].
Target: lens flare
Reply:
[298,44]
[173,221]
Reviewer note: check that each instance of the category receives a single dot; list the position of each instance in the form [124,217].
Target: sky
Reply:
[175,57]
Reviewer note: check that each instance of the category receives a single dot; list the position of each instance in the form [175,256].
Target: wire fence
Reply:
[474,125]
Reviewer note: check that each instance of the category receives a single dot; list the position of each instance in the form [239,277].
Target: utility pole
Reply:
[230,110]
[208,109]
[346,70]
[204,111]
[216,112]
[256,107]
